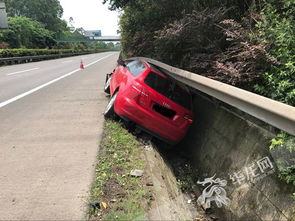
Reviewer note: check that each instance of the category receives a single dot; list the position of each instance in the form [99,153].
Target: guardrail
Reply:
[25,59]
[277,114]
[12,60]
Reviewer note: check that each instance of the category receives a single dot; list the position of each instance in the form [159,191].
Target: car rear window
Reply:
[136,68]
[169,89]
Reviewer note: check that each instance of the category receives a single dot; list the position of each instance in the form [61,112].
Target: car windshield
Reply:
[169,89]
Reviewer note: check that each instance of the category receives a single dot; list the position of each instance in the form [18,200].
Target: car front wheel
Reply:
[109,111]
[107,84]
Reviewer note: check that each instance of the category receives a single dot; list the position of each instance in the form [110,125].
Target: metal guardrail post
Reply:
[3,16]
[275,113]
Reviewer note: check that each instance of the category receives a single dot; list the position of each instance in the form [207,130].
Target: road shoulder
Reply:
[117,194]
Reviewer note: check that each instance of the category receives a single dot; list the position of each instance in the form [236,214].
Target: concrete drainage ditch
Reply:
[172,183]
[222,144]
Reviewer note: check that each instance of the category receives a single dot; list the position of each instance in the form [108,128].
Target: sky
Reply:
[91,15]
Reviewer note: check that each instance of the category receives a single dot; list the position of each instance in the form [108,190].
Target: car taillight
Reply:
[188,118]
[134,92]
[137,87]
[142,97]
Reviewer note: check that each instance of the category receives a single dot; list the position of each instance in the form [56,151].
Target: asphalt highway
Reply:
[50,127]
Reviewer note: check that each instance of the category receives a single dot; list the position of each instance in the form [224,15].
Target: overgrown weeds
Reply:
[122,197]
[283,148]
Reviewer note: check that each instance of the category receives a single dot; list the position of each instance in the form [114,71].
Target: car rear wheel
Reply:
[109,111]
[107,84]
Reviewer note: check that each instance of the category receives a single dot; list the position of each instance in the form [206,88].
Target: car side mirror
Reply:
[121,62]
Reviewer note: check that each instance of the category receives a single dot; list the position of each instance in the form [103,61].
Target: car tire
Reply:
[109,110]
[106,87]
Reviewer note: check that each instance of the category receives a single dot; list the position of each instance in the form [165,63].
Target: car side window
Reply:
[136,67]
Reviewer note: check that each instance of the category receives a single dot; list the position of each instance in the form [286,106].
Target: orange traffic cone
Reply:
[81,65]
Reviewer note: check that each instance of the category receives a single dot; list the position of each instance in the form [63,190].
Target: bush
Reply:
[208,44]
[283,148]
[25,32]
[191,36]
[277,31]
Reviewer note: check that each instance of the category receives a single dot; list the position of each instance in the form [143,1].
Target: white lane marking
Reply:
[94,62]
[46,84]
[67,61]
[18,72]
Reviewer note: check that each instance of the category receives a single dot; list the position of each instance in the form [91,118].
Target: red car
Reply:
[141,93]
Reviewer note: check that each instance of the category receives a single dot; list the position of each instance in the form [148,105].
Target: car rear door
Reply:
[167,100]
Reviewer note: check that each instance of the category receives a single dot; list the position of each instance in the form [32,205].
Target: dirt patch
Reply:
[118,170]
[112,190]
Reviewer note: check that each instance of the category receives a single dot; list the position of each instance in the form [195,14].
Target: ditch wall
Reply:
[234,146]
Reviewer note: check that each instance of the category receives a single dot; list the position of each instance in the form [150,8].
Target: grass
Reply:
[126,196]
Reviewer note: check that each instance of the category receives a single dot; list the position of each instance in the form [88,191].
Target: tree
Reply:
[25,32]
[110,45]
[48,12]
[116,4]
[71,24]
[277,31]
[141,19]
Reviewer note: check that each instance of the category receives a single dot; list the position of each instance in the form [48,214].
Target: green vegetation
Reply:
[245,43]
[47,12]
[283,147]
[33,24]
[126,196]
[26,32]
[38,24]
[277,30]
